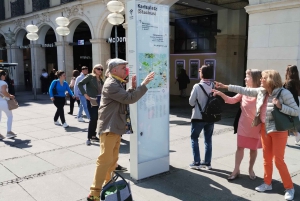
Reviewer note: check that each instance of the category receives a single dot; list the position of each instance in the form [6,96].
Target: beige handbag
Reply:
[12,103]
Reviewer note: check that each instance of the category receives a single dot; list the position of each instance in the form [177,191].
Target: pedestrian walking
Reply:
[273,141]
[198,97]
[247,136]
[79,96]
[44,81]
[71,85]
[4,96]
[57,93]
[183,80]
[112,121]
[292,84]
[92,93]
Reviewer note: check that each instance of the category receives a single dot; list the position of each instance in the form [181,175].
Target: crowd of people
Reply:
[256,125]
[105,100]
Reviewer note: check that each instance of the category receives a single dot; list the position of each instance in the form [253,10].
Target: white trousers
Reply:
[4,108]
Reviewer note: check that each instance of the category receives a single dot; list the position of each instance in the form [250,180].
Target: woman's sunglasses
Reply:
[99,69]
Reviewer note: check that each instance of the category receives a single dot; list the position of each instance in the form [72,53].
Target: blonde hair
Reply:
[255,74]
[273,79]
[93,71]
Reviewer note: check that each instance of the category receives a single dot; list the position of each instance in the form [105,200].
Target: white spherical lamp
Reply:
[32,28]
[115,18]
[63,31]
[115,6]
[32,36]
[62,21]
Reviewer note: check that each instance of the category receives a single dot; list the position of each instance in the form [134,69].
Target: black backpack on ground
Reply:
[212,110]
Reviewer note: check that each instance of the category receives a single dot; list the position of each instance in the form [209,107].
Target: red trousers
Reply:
[274,145]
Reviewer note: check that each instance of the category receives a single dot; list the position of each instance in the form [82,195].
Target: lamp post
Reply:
[9,41]
[32,36]
[63,31]
[115,18]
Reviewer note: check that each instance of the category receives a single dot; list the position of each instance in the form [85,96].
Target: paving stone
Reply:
[91,152]
[54,187]
[65,141]
[5,175]
[14,192]
[38,146]
[24,166]
[11,152]
[63,157]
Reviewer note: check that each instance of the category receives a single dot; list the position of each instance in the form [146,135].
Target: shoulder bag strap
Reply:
[279,93]
[203,90]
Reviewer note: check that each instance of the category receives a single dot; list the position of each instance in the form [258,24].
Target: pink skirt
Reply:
[248,142]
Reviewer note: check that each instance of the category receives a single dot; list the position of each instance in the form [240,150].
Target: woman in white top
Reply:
[4,106]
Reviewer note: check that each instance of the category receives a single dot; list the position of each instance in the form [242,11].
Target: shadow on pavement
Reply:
[15,141]
[186,186]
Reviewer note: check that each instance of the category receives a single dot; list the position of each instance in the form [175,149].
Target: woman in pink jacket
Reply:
[247,136]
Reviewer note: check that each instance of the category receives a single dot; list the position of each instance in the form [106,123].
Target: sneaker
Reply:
[10,134]
[297,138]
[205,165]
[120,168]
[65,125]
[88,142]
[264,187]
[1,137]
[70,113]
[195,165]
[289,194]
[95,139]
[93,198]
[57,123]
[80,119]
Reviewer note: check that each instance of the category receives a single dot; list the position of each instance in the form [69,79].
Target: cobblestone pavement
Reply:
[47,162]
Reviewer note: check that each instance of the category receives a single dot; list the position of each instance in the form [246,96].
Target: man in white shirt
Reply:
[79,96]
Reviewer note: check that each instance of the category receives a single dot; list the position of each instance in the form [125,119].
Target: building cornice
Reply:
[69,9]
[272,6]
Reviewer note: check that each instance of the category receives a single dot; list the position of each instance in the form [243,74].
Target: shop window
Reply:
[17,8]
[40,4]
[196,34]
[2,11]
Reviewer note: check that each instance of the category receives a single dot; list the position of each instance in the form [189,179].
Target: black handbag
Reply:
[54,90]
[284,122]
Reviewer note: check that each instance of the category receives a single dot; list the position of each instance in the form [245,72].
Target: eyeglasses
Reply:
[99,69]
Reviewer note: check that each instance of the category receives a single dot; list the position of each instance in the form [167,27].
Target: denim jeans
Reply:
[83,106]
[208,128]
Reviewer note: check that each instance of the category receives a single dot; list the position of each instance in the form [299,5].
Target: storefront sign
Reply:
[119,40]
[85,57]
[148,31]
[194,68]
[48,45]
[24,47]
[211,62]
[179,64]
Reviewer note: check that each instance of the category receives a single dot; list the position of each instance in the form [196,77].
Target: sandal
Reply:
[233,177]
[252,176]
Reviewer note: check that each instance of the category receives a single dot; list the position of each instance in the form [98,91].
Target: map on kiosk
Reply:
[149,62]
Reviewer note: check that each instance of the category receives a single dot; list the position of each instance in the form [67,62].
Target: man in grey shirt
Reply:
[79,96]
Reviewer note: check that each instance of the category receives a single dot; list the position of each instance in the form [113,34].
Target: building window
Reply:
[17,8]
[40,4]
[2,11]
[196,34]
[66,1]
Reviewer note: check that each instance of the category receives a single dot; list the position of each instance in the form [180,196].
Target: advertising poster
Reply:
[179,64]
[211,62]
[149,25]
[194,68]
